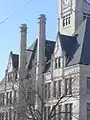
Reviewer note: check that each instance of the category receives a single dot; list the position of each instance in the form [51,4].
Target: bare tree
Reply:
[26,108]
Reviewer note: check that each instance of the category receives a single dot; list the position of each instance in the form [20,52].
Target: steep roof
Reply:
[77,46]
[49,47]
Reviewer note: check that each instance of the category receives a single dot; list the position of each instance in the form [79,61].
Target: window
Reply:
[10,115]
[10,97]
[10,76]
[48,110]
[68,111]
[58,62]
[85,15]
[15,96]
[68,86]
[48,87]
[6,116]
[88,84]
[7,98]
[3,98]
[45,113]
[59,112]
[14,115]
[45,91]
[88,111]
[59,88]
[29,98]
[54,89]
[0,99]
[54,115]
[16,76]
[66,20]
[2,116]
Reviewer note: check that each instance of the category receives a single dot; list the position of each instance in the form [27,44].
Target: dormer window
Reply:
[58,62]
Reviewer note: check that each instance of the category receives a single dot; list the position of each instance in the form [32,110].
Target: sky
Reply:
[13,13]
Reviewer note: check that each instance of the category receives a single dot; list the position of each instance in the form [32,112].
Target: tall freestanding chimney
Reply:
[40,53]
[41,43]
[22,59]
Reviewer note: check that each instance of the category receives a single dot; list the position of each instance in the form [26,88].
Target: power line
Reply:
[15,12]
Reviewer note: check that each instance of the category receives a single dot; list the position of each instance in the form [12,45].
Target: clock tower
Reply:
[71,14]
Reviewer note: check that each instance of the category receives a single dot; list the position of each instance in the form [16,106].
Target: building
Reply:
[63,67]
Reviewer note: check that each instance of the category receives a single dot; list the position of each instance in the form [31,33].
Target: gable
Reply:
[10,64]
[13,62]
[58,48]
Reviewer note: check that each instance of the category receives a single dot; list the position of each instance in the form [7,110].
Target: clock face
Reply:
[87,2]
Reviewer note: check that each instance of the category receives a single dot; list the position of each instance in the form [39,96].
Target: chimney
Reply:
[40,56]
[23,40]
[41,43]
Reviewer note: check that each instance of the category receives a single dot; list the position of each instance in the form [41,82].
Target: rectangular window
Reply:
[2,116]
[29,97]
[88,111]
[15,92]
[16,76]
[54,89]
[59,88]
[88,84]
[10,97]
[7,98]
[68,86]
[59,112]
[56,62]
[66,20]
[68,111]
[54,114]
[48,110]
[10,115]
[0,99]
[14,115]
[59,62]
[45,113]
[3,98]
[48,85]
[10,76]
[45,91]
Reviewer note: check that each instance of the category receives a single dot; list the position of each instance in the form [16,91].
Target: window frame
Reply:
[88,86]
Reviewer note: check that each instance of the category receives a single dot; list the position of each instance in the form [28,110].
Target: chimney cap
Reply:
[42,18]
[23,25]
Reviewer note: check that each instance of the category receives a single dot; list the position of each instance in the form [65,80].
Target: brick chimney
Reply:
[23,43]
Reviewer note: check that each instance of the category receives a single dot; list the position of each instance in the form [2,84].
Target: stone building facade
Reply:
[60,68]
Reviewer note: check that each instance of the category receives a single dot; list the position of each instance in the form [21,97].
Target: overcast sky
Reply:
[23,11]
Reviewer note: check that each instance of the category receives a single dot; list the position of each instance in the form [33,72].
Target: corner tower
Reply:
[71,14]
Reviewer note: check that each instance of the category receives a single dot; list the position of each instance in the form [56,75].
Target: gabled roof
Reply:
[76,47]
[49,47]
